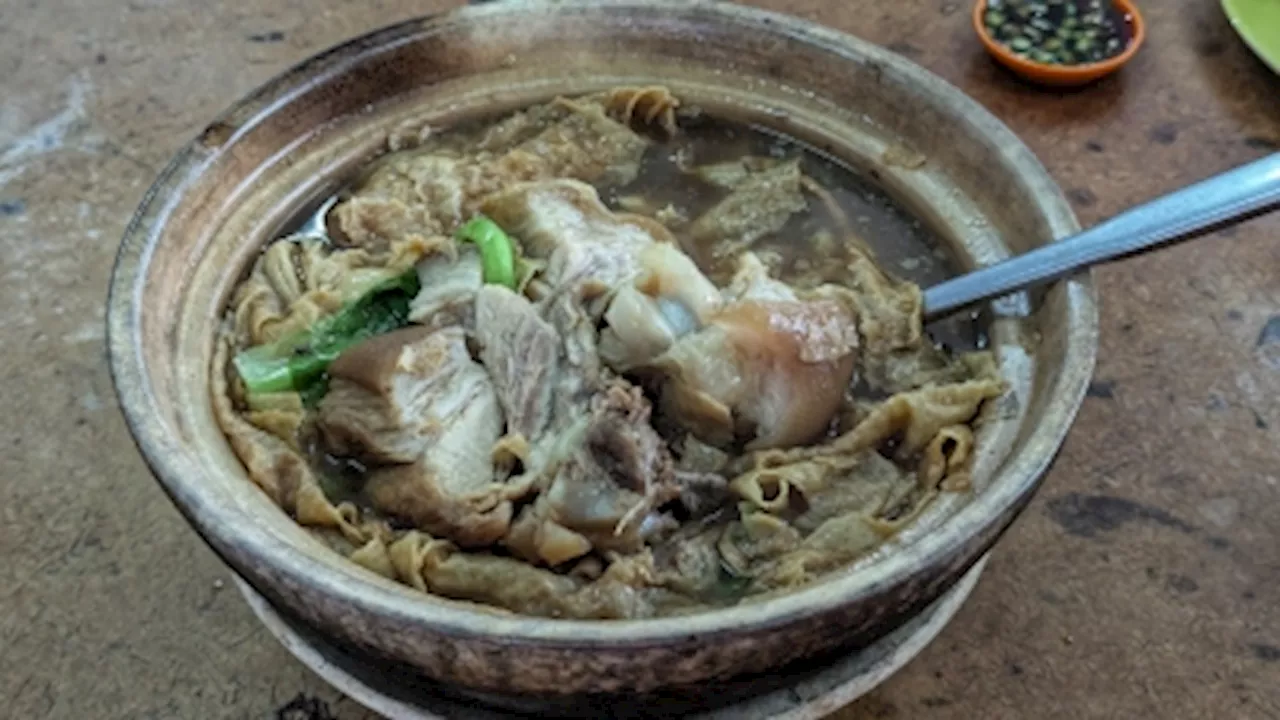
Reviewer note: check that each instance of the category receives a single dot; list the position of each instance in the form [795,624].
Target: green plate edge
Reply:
[1258,23]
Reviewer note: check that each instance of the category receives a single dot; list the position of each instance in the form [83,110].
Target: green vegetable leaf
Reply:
[313,392]
[299,362]
[497,253]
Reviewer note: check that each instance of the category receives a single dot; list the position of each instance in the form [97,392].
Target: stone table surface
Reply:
[1143,582]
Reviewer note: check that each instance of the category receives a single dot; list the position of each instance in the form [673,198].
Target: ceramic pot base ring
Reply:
[814,695]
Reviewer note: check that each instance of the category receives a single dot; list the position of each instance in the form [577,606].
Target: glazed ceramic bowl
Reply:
[291,142]
[1063,75]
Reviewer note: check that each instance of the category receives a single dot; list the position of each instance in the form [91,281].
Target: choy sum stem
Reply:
[298,362]
[497,254]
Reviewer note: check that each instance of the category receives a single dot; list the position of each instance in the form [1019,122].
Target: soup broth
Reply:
[607,357]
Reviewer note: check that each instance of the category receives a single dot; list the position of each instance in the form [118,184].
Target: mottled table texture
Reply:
[1143,582]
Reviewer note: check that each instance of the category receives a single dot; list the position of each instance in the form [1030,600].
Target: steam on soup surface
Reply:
[602,358]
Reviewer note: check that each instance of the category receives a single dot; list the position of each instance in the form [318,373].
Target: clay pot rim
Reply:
[290,569]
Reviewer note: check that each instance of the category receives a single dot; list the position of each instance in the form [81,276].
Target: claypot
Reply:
[289,143]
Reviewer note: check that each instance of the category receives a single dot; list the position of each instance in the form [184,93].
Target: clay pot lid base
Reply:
[815,696]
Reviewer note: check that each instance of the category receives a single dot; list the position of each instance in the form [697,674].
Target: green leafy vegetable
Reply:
[497,253]
[314,392]
[299,362]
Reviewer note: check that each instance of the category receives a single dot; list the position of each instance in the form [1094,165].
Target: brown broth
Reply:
[904,246]
[842,215]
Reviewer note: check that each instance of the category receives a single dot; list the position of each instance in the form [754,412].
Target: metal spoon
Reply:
[315,224]
[1221,200]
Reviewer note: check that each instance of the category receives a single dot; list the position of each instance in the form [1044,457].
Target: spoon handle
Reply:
[1222,199]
